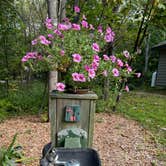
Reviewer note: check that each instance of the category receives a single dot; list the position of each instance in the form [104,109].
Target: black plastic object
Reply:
[85,156]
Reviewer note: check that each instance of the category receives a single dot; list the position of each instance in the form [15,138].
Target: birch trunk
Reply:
[56,11]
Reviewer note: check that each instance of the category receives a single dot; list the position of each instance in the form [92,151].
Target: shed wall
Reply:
[161,73]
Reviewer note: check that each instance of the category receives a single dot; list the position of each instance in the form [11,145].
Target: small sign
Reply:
[72,113]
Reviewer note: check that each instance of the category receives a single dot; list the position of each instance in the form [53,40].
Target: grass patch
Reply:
[148,109]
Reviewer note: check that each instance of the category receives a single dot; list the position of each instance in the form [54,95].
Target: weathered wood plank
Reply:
[89,95]
[87,110]
[91,122]
[53,117]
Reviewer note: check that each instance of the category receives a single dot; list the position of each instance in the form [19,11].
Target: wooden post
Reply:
[86,102]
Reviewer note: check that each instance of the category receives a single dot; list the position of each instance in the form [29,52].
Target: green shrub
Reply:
[29,98]
[3,115]
[24,100]
[6,108]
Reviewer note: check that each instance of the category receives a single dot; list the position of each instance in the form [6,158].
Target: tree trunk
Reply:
[56,11]
[53,10]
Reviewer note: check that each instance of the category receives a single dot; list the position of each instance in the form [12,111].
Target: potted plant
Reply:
[75,51]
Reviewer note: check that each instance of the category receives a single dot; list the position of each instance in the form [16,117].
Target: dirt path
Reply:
[119,141]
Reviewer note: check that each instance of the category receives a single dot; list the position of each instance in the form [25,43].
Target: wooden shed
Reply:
[161,70]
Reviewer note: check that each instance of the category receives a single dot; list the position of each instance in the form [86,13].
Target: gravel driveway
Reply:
[119,141]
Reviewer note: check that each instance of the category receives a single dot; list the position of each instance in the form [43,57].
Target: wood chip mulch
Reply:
[119,141]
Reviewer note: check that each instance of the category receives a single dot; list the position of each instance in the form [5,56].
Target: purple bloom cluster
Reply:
[110,35]
[31,55]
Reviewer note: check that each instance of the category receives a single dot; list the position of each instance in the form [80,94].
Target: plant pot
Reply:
[81,91]
[78,91]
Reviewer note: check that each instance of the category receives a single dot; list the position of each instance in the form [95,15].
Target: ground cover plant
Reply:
[11,155]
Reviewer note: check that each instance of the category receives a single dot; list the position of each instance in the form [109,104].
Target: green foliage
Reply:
[23,100]
[3,115]
[6,107]
[10,155]
[28,99]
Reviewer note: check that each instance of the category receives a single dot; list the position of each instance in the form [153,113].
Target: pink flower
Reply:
[95,47]
[77,58]
[96,58]
[76,9]
[127,88]
[113,58]
[86,67]
[76,27]
[126,54]
[49,26]
[119,62]
[115,72]
[48,20]
[100,29]
[56,31]
[129,69]
[95,65]
[138,75]
[75,76]
[84,24]
[29,55]
[44,41]
[110,35]
[62,52]
[91,73]
[48,23]
[78,77]
[81,78]
[50,36]
[24,59]
[105,73]
[63,27]
[39,57]
[108,30]
[106,58]
[60,86]
[91,27]
[34,42]
[66,20]
[84,17]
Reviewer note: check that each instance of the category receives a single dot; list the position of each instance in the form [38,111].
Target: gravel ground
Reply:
[119,141]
